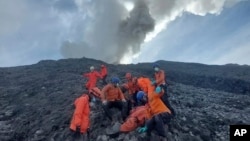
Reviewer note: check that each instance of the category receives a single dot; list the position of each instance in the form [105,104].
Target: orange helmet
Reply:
[128,76]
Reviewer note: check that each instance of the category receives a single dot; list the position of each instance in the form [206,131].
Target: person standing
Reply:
[80,122]
[160,82]
[92,76]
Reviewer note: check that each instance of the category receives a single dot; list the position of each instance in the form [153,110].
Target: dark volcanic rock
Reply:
[36,101]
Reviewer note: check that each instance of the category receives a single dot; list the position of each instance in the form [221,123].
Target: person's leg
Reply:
[159,126]
[162,138]
[129,105]
[106,109]
[124,110]
[166,117]
[165,99]
[167,103]
[123,107]
[72,135]
[75,136]
[84,137]
[104,81]
[135,99]
[150,124]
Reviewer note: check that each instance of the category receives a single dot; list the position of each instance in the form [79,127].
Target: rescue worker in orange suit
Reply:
[142,83]
[104,74]
[159,111]
[80,122]
[112,96]
[160,81]
[132,88]
[138,115]
[92,78]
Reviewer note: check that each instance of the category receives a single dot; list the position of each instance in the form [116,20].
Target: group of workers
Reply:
[146,107]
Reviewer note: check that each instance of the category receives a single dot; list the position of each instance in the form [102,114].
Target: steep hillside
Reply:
[36,101]
[229,78]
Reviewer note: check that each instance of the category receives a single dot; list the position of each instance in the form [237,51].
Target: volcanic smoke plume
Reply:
[115,29]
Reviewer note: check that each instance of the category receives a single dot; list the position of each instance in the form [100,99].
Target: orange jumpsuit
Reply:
[92,79]
[136,118]
[155,103]
[81,114]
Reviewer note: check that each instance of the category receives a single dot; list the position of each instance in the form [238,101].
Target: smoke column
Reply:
[114,32]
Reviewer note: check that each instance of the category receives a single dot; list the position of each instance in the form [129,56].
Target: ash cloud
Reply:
[134,29]
[112,31]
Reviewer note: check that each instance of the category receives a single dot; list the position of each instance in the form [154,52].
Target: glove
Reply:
[123,100]
[104,102]
[142,129]
[153,82]
[158,89]
[78,129]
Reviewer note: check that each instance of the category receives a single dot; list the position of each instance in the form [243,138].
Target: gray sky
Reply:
[204,31]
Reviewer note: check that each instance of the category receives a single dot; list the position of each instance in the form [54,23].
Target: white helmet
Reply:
[92,68]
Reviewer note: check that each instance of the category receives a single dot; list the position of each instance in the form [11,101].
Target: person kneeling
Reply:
[112,96]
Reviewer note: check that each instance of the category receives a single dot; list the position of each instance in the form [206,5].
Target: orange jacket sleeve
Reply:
[97,74]
[80,105]
[104,92]
[86,75]
[121,94]
[158,95]
[151,89]
[161,77]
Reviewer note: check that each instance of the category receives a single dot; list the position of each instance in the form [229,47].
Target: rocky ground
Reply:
[36,102]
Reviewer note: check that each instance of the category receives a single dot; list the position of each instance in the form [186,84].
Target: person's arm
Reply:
[158,95]
[121,95]
[104,92]
[86,75]
[97,74]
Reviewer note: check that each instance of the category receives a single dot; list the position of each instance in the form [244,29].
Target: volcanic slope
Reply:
[36,101]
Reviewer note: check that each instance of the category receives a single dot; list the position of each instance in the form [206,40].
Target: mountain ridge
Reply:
[36,101]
